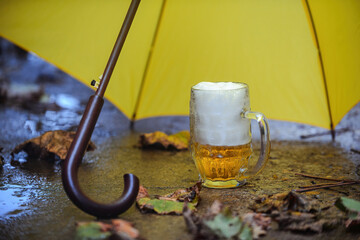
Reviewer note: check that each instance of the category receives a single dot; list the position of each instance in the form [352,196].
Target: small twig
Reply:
[325,186]
[329,179]
[339,182]
[317,185]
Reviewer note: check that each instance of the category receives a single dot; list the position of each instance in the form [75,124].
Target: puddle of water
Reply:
[64,119]
[32,126]
[47,168]
[21,157]
[13,199]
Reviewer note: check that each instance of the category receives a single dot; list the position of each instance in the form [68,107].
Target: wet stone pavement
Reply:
[33,204]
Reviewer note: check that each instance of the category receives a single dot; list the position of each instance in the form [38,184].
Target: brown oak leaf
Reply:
[49,145]
[160,140]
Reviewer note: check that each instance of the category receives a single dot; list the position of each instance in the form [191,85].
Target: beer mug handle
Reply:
[265,141]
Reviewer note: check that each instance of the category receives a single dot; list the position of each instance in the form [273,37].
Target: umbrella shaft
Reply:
[117,48]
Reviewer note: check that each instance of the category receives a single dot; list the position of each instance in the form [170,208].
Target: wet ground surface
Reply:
[33,204]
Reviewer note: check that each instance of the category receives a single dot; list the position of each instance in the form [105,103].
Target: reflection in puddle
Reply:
[13,199]
[66,118]
[61,119]
[20,157]
[32,126]
[36,166]
[66,115]
[66,101]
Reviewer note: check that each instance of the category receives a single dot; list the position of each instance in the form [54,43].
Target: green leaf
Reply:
[161,206]
[91,231]
[224,225]
[347,204]
[172,203]
[246,233]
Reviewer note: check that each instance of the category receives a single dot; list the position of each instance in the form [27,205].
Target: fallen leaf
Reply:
[224,225]
[124,229]
[297,221]
[160,140]
[91,230]
[259,223]
[286,201]
[352,208]
[115,229]
[348,205]
[162,207]
[143,193]
[295,212]
[218,223]
[49,145]
[172,203]
[190,194]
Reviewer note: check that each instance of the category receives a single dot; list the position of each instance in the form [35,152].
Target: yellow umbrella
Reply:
[300,58]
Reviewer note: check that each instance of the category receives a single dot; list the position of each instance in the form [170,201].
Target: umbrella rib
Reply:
[137,104]
[321,66]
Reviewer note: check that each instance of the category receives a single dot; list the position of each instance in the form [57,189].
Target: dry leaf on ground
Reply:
[115,229]
[286,201]
[259,223]
[295,212]
[160,140]
[49,145]
[172,203]
[218,223]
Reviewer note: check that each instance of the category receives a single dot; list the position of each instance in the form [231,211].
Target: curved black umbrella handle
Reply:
[83,135]
[73,161]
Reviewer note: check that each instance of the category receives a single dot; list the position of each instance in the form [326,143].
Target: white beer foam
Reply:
[218,86]
[218,108]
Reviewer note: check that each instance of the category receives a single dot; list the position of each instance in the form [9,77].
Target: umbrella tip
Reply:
[132,123]
[332,132]
[333,135]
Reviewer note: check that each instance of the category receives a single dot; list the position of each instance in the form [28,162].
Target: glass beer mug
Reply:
[221,135]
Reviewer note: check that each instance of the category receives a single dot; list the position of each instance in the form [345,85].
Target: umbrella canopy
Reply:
[301,59]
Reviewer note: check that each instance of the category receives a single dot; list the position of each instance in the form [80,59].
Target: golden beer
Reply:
[220,165]
[220,133]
